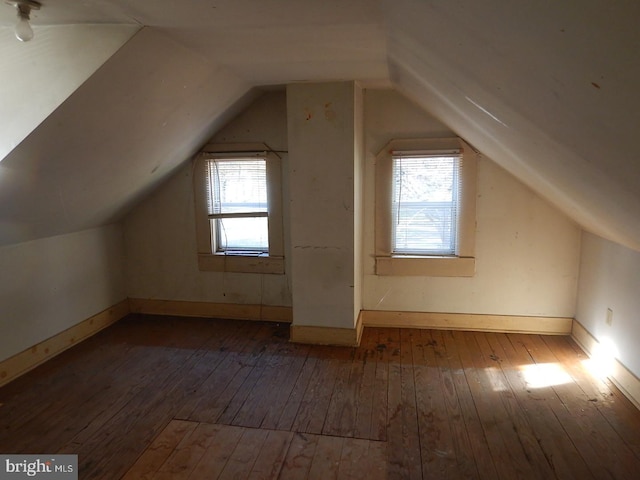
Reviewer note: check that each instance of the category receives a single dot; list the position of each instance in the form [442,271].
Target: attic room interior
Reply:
[141,335]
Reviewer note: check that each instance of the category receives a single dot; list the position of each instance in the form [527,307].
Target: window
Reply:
[425,208]
[237,205]
[424,203]
[239,209]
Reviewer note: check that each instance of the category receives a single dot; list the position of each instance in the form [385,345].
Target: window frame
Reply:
[462,264]
[239,261]
[217,218]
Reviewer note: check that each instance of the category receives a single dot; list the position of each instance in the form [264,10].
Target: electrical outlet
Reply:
[609,317]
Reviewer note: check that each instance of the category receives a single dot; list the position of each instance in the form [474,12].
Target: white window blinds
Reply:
[237,204]
[425,203]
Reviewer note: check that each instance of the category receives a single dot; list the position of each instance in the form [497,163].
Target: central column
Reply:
[324,130]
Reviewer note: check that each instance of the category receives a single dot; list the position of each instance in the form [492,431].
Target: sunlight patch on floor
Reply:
[541,375]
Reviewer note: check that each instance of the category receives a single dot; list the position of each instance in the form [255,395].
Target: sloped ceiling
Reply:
[41,74]
[120,134]
[547,89]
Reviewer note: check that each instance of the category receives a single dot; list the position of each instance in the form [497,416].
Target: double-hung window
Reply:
[237,205]
[425,208]
[425,203]
[239,209]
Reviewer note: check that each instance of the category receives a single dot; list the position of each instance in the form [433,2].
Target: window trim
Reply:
[460,265]
[241,262]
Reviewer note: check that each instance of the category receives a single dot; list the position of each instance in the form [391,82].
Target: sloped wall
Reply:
[527,252]
[160,232]
[548,91]
[64,55]
[51,284]
[115,139]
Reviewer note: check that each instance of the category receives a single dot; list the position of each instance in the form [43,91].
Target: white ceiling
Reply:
[547,89]
[44,72]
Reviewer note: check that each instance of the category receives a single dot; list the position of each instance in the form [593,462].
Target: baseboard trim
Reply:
[233,311]
[621,376]
[465,321]
[341,337]
[27,360]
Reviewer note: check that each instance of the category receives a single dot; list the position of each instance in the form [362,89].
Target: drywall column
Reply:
[325,168]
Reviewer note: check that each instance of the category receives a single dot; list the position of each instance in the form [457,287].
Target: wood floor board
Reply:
[249,396]
[174,398]
[223,384]
[159,451]
[614,406]
[326,459]
[217,455]
[480,450]
[52,380]
[188,453]
[340,417]
[300,456]
[459,451]
[380,400]
[244,456]
[281,386]
[218,350]
[402,427]
[559,450]
[436,437]
[363,374]
[312,412]
[520,424]
[270,459]
[604,441]
[295,404]
[353,459]
[140,421]
[497,425]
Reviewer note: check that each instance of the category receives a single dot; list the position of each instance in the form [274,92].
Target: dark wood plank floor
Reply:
[165,397]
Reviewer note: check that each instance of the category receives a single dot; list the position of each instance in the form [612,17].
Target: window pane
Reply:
[242,234]
[425,205]
[237,186]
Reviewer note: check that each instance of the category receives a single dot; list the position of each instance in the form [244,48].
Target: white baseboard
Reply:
[464,321]
[21,363]
[620,375]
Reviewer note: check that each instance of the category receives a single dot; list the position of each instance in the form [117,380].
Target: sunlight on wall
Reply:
[603,358]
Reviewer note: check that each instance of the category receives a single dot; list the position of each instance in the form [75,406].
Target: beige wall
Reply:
[160,233]
[527,253]
[322,121]
[610,278]
[51,284]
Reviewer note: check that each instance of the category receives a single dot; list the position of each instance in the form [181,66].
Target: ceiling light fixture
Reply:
[24,32]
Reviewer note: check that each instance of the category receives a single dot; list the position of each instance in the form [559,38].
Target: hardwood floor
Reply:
[165,397]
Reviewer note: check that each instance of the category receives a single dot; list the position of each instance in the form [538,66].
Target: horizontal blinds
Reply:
[425,203]
[237,204]
[236,187]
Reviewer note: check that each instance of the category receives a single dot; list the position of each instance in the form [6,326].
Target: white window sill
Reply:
[250,263]
[425,266]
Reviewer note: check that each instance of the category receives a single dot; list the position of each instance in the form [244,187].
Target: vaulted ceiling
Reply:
[112,95]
